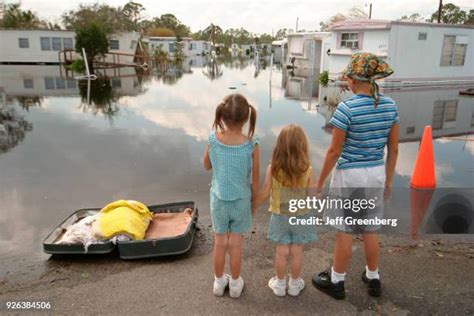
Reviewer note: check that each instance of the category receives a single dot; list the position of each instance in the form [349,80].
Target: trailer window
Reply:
[67,43]
[56,43]
[28,83]
[114,44]
[422,36]
[23,43]
[350,40]
[454,51]
[45,43]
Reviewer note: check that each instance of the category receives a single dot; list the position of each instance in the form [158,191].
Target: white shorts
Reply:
[356,185]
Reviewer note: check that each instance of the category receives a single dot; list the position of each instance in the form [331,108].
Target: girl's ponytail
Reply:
[218,124]
[252,121]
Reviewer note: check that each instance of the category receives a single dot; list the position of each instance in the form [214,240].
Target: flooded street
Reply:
[142,138]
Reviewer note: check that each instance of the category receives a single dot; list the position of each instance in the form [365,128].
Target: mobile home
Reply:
[44,46]
[279,49]
[191,47]
[305,50]
[449,113]
[419,53]
[234,48]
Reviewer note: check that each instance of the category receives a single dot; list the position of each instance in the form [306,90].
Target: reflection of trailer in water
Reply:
[449,113]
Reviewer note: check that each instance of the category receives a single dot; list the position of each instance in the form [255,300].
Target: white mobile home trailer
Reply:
[168,44]
[304,50]
[279,49]
[43,46]
[419,53]
[449,113]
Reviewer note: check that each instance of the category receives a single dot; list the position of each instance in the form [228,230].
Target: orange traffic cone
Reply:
[423,176]
[422,182]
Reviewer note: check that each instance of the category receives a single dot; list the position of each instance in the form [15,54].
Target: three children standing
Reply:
[233,157]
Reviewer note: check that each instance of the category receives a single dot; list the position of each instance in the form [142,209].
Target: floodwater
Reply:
[142,136]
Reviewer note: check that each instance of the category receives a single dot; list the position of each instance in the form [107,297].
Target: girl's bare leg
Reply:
[281,257]
[220,248]
[235,252]
[296,252]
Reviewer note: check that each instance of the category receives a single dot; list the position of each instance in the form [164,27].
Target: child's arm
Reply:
[267,185]
[392,155]
[206,162]
[255,174]
[333,153]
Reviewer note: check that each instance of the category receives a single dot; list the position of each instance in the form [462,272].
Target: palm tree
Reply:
[213,31]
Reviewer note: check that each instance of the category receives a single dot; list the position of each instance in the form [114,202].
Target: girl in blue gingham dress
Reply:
[233,158]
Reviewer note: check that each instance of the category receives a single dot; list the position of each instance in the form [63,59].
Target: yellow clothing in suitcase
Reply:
[123,217]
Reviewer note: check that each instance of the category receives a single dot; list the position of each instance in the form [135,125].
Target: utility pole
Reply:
[370,11]
[297,19]
[439,10]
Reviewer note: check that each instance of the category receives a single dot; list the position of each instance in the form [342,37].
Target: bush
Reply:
[77,65]
[324,78]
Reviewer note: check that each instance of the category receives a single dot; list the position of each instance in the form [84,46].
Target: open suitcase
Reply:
[135,249]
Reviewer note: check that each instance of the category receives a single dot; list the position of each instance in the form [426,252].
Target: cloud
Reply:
[256,16]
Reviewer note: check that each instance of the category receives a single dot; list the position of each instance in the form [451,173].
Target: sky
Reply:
[256,16]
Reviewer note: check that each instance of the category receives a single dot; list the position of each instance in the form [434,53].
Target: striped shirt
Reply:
[366,128]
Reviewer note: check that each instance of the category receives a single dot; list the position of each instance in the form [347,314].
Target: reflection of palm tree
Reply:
[98,96]
[213,31]
[213,70]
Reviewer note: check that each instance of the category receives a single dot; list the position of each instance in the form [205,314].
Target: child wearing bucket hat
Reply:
[364,125]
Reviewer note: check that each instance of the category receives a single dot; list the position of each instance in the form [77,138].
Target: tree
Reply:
[281,33]
[452,14]
[415,17]
[353,14]
[133,12]
[212,31]
[16,18]
[94,40]
[179,55]
[110,19]
[161,32]
[171,22]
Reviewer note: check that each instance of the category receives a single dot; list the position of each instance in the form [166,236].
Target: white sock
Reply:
[337,277]
[372,274]
[293,280]
[234,281]
[220,280]
[281,282]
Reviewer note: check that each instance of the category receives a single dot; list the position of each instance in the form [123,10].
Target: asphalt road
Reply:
[419,277]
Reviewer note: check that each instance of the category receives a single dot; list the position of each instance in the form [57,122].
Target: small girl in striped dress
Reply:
[234,159]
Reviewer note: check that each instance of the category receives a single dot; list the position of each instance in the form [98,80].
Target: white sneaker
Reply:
[219,287]
[277,288]
[236,287]
[295,286]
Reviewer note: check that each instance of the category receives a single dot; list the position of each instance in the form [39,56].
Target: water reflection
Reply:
[152,151]
[449,113]
[13,127]
[213,70]
[98,96]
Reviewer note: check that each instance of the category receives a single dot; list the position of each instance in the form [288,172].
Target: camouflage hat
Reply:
[367,67]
